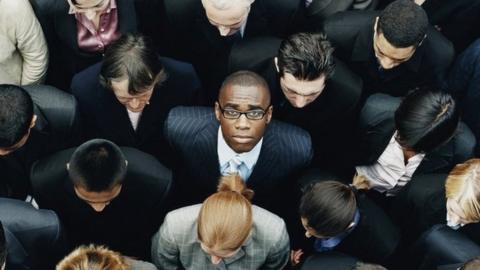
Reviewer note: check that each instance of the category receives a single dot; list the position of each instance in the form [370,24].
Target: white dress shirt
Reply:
[226,154]
[134,118]
[389,173]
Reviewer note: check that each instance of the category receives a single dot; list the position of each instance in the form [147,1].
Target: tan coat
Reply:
[23,49]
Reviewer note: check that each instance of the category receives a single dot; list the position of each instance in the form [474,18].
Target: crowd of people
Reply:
[239,134]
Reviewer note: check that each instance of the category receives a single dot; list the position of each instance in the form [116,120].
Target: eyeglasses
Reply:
[256,114]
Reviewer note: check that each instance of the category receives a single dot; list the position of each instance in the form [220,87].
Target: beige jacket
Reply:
[23,49]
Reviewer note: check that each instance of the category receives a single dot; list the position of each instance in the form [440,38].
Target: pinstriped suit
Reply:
[192,133]
[176,244]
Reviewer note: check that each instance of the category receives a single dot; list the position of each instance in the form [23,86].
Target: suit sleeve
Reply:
[165,253]
[31,44]
[279,254]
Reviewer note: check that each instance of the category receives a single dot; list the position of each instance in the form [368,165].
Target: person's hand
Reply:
[361,182]
[295,256]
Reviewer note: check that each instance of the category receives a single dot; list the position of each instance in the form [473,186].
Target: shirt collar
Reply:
[225,153]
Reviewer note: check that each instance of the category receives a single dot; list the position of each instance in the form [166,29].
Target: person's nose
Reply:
[242,122]
[300,101]
[215,259]
[98,207]
[134,103]
[387,63]
[223,30]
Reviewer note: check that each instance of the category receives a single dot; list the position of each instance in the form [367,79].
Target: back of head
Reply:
[403,23]
[16,113]
[463,186]
[132,57]
[244,78]
[225,219]
[426,120]
[329,207]
[3,246]
[97,165]
[368,266]
[473,264]
[306,56]
[93,258]
[227,4]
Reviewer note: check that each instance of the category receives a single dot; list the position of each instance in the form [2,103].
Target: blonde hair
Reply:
[93,258]
[463,186]
[225,218]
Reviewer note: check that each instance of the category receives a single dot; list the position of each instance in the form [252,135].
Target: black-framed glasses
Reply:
[256,114]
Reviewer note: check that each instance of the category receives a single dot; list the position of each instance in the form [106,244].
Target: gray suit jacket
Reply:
[176,244]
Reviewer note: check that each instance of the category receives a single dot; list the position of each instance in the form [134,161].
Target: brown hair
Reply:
[225,219]
[463,186]
[93,258]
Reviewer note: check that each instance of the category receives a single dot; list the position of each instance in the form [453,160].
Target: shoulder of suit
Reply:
[86,81]
[289,136]
[183,221]
[267,224]
[349,20]
[192,114]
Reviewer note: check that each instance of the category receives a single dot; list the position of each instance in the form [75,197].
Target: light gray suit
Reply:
[176,244]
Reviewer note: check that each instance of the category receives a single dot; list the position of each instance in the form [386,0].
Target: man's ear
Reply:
[276,64]
[34,120]
[217,111]
[375,25]
[269,114]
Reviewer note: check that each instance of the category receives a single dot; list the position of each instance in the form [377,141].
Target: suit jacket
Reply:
[352,35]
[34,237]
[328,119]
[193,133]
[189,25]
[176,244]
[127,223]
[330,260]
[376,127]
[60,29]
[105,117]
[56,128]
[440,247]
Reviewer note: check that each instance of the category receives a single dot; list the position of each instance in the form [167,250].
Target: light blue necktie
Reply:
[238,166]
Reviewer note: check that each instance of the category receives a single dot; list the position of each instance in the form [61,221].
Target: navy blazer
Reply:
[34,237]
[105,117]
[193,134]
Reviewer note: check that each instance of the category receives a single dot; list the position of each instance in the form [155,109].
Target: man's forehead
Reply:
[255,95]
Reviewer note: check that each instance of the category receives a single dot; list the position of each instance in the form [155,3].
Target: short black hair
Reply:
[306,56]
[16,114]
[132,56]
[245,78]
[97,165]
[329,207]
[3,246]
[403,23]
[426,119]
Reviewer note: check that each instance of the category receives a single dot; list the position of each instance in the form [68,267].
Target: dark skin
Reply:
[243,134]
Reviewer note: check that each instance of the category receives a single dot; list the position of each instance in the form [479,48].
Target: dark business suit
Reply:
[56,128]
[105,117]
[60,29]
[376,127]
[442,247]
[193,133]
[330,260]
[195,40]
[34,237]
[328,119]
[127,223]
[351,33]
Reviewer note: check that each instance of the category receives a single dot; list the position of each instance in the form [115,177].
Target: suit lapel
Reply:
[438,160]
[206,157]
[266,160]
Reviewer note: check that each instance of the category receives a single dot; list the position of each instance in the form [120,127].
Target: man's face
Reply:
[300,93]
[134,103]
[389,56]
[7,150]
[243,134]
[98,200]
[216,256]
[309,231]
[228,21]
[90,8]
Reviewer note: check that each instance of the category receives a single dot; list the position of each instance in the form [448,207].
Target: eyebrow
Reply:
[309,94]
[382,53]
[250,107]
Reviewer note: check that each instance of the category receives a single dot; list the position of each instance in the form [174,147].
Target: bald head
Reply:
[241,80]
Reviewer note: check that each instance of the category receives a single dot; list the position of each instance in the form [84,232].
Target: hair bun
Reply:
[235,183]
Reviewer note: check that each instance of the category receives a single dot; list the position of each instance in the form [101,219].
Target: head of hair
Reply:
[426,120]
[93,258]
[306,56]
[463,186]
[368,266]
[246,79]
[329,207]
[132,57]
[3,246]
[16,114]
[225,219]
[403,23]
[97,165]
[472,264]
[227,4]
